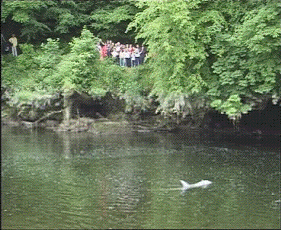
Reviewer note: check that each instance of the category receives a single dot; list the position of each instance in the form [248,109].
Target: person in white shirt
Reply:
[122,58]
[137,55]
[14,42]
[114,55]
[127,58]
[133,59]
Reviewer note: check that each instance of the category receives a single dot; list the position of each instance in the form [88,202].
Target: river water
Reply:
[78,180]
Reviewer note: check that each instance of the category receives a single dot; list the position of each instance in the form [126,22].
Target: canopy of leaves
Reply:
[222,54]
[224,51]
[48,71]
[41,19]
[111,21]
[36,76]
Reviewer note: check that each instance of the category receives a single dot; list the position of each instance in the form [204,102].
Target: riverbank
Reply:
[115,126]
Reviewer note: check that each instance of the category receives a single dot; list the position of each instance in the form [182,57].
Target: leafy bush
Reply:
[214,50]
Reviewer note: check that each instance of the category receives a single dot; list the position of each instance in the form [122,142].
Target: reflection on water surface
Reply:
[70,180]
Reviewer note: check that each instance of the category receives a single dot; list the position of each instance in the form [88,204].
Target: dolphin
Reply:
[202,184]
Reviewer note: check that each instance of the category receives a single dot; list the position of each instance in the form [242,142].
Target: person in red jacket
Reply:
[103,52]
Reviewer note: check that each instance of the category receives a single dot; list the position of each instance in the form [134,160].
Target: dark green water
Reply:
[70,180]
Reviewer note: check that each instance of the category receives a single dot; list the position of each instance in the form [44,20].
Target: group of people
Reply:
[124,55]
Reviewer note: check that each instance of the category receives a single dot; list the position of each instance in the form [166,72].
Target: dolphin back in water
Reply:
[202,184]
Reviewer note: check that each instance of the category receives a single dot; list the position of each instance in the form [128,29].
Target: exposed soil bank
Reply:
[107,116]
[104,126]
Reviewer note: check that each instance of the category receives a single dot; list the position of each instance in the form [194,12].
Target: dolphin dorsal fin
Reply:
[185,185]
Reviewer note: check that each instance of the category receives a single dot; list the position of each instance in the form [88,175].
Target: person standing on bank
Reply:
[142,54]
[14,42]
[127,58]
[137,55]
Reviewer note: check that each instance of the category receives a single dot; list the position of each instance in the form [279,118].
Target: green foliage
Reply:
[132,90]
[18,74]
[35,75]
[21,10]
[77,69]
[224,51]
[223,54]
[28,13]
[110,21]
[42,19]
[42,74]
[233,107]
[247,61]
[176,34]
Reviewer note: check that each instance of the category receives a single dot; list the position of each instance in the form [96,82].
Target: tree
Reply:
[247,67]
[64,19]
[77,70]
[110,21]
[223,52]
[219,54]
[37,76]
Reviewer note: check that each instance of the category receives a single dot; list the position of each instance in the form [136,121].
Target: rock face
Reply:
[87,106]
[107,115]
[255,123]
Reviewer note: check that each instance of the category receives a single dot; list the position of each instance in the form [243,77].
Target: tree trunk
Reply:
[67,109]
